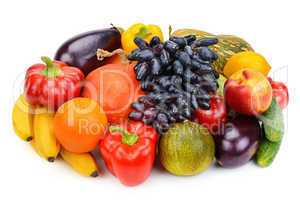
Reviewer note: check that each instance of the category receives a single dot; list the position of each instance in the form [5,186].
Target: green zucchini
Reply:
[272,121]
[267,152]
[273,128]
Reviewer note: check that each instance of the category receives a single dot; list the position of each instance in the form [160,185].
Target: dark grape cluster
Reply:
[176,76]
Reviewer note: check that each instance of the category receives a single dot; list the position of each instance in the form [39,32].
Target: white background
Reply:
[29,29]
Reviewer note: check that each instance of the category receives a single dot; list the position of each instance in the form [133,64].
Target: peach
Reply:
[248,92]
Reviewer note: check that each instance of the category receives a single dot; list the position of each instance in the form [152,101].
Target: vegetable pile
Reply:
[131,97]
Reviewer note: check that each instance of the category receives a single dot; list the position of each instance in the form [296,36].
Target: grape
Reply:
[178,67]
[165,58]
[136,116]
[171,47]
[207,54]
[190,38]
[181,41]
[138,106]
[188,50]
[140,43]
[177,78]
[141,55]
[141,72]
[149,115]
[155,66]
[205,42]
[183,57]
[162,118]
[154,41]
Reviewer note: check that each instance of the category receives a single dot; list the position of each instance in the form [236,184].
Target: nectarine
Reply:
[248,92]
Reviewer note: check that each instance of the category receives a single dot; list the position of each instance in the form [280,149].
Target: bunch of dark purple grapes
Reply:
[177,78]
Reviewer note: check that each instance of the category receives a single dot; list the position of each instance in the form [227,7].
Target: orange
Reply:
[79,125]
[246,59]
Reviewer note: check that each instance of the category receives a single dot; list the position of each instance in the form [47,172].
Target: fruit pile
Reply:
[132,96]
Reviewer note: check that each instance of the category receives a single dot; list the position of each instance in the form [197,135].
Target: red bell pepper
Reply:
[280,93]
[129,151]
[51,84]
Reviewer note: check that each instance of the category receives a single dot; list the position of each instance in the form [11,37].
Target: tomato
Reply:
[115,59]
[213,117]
[280,93]
[114,87]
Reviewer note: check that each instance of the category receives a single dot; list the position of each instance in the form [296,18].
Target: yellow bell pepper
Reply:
[146,32]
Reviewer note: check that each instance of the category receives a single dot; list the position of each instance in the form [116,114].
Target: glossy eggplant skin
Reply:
[80,50]
[237,142]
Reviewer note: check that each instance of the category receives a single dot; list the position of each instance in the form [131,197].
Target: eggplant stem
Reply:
[102,54]
[120,29]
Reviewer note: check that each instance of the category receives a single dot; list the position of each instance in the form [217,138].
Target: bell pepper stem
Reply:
[143,32]
[127,137]
[170,30]
[51,69]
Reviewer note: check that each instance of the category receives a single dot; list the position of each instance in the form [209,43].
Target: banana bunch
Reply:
[22,117]
[83,163]
[35,125]
[44,138]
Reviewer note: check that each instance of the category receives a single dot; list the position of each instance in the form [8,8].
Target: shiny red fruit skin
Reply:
[52,92]
[131,164]
[280,93]
[213,117]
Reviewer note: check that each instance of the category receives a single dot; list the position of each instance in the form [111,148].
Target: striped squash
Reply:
[226,47]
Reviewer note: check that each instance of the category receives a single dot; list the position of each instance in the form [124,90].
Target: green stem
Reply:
[120,29]
[170,30]
[143,32]
[127,137]
[51,69]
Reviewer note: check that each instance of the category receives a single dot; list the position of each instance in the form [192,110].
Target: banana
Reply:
[22,116]
[32,142]
[83,163]
[44,139]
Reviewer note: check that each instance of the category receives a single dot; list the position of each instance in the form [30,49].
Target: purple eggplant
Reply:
[237,141]
[80,50]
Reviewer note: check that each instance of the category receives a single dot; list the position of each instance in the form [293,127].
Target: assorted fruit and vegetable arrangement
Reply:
[133,98]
